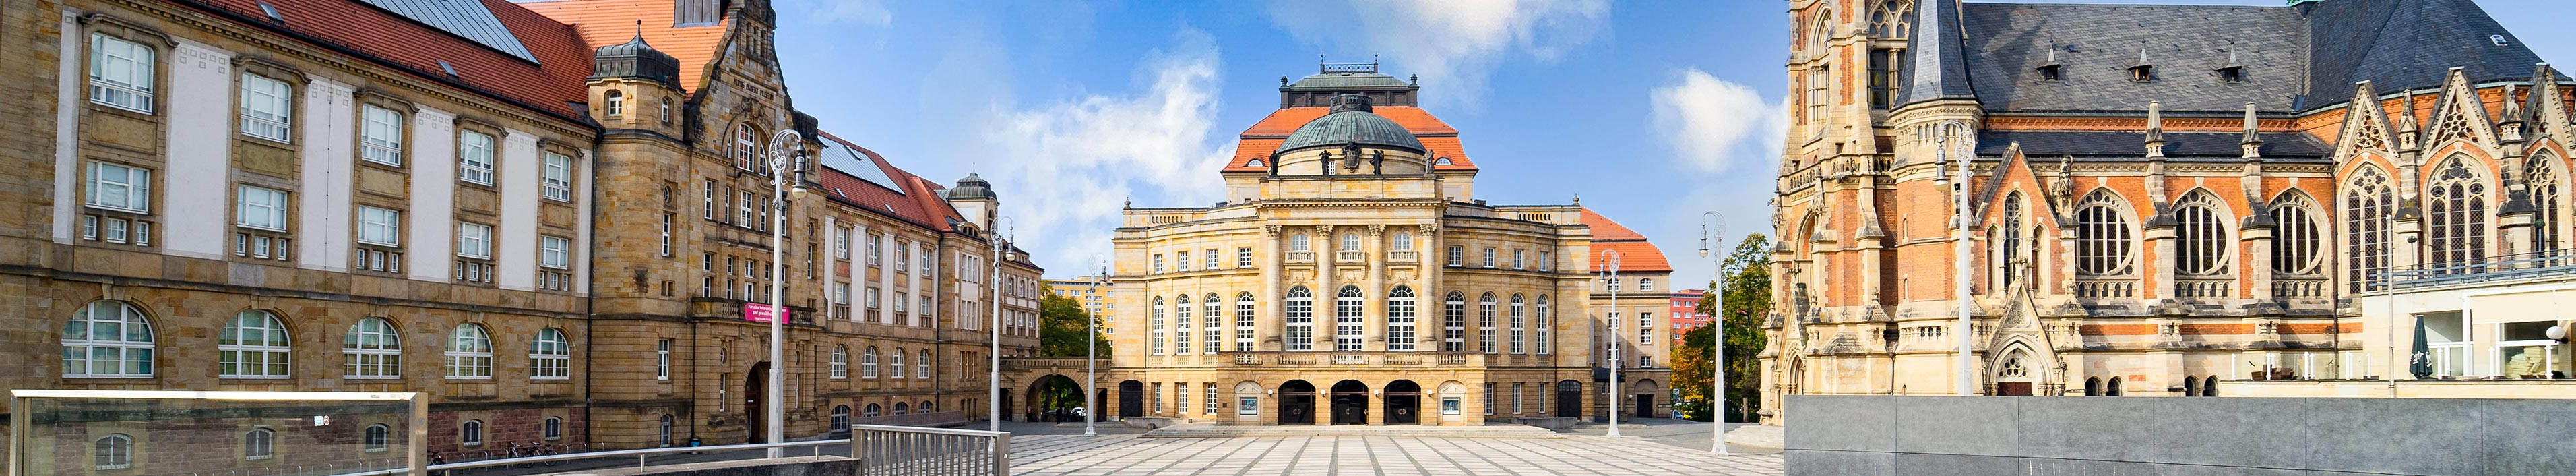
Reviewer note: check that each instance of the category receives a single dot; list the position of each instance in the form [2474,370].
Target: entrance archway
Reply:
[2013,374]
[1131,399]
[1569,399]
[1296,403]
[1350,403]
[1403,403]
[755,391]
[1054,398]
[1645,400]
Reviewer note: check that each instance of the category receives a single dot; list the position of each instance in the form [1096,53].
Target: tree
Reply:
[1062,323]
[1747,298]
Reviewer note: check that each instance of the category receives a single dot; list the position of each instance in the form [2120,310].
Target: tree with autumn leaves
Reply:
[1748,298]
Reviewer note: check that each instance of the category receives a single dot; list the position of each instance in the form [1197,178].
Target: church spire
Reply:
[1940,63]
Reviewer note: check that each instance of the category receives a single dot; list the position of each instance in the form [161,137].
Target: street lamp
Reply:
[1712,225]
[1942,136]
[780,194]
[993,369]
[1614,340]
[1090,354]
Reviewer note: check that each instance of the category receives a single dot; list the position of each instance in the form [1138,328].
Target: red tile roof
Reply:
[1635,254]
[611,22]
[551,86]
[919,202]
[1265,136]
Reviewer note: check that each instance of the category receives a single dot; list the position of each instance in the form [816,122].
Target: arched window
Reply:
[1297,243]
[1348,330]
[2102,236]
[253,345]
[2455,209]
[1546,325]
[616,103]
[372,350]
[259,443]
[1244,323]
[1519,325]
[746,148]
[2542,178]
[114,451]
[550,358]
[895,366]
[2202,236]
[868,363]
[921,364]
[1889,20]
[2209,386]
[1399,319]
[470,433]
[902,408]
[469,354]
[1300,313]
[2368,204]
[554,428]
[1453,323]
[1485,324]
[379,437]
[1403,241]
[2191,385]
[1158,334]
[1212,322]
[1892,19]
[1180,324]
[872,410]
[2114,389]
[2005,268]
[666,111]
[107,339]
[840,417]
[2015,366]
[840,362]
[2092,386]
[2297,238]
[667,423]
[1350,242]
[924,407]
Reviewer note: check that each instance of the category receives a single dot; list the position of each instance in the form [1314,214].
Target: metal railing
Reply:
[639,454]
[2492,268]
[904,450]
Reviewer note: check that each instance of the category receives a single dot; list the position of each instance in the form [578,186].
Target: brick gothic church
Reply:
[2161,197]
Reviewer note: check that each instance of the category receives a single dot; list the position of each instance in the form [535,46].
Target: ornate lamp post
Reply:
[1712,224]
[1943,135]
[993,369]
[1614,341]
[780,193]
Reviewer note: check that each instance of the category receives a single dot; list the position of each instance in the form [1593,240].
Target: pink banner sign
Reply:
[757,312]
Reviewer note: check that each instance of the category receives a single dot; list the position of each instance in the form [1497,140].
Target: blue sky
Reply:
[1652,112]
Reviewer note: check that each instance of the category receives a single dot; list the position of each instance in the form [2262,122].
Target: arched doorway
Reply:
[755,385]
[1403,403]
[1350,403]
[1131,399]
[1645,397]
[1297,403]
[1569,399]
[2013,374]
[1099,401]
[1054,398]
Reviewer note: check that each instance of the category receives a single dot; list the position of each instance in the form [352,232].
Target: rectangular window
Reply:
[1243,257]
[380,135]
[474,240]
[711,200]
[474,158]
[1181,400]
[1211,259]
[118,187]
[554,252]
[260,207]
[1211,398]
[1182,260]
[1457,256]
[1489,257]
[666,234]
[1516,259]
[120,73]
[1518,389]
[874,250]
[1818,88]
[1489,398]
[558,177]
[1158,262]
[662,360]
[377,226]
[267,108]
[841,243]
[1545,263]
[1646,328]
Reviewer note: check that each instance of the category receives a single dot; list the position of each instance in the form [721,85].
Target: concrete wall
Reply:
[1930,436]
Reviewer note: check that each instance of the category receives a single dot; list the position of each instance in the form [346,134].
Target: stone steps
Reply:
[1212,430]
[1756,436]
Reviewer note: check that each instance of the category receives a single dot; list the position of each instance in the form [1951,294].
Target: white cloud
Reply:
[1064,168]
[871,12]
[1713,124]
[1452,45]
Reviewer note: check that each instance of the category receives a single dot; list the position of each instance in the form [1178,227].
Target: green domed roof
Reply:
[1352,122]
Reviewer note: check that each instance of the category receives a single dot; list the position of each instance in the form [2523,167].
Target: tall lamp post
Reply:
[993,369]
[1091,353]
[1712,226]
[1943,135]
[780,193]
[1614,341]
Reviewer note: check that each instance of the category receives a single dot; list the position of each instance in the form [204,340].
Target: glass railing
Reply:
[183,433]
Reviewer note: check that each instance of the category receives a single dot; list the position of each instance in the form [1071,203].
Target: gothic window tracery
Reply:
[2012,243]
[2542,180]
[2202,236]
[2102,236]
[2455,207]
[1890,20]
[2368,203]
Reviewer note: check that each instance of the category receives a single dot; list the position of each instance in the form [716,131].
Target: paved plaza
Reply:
[1124,454]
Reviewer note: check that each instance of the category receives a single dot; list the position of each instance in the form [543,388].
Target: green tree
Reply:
[1748,298]
[1062,323]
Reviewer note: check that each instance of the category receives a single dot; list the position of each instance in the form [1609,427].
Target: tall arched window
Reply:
[2455,208]
[921,364]
[1181,324]
[616,103]
[2368,207]
[1155,315]
[107,339]
[253,345]
[1892,19]
[1348,330]
[550,357]
[1518,323]
[1300,312]
[372,350]
[2005,269]
[1889,20]
[2102,237]
[2296,235]
[868,363]
[840,417]
[1453,323]
[840,362]
[746,148]
[667,423]
[469,352]
[2542,177]
[2202,236]
[1485,324]
[894,364]
[1399,319]
[1546,325]
[1212,322]
[114,451]
[1244,324]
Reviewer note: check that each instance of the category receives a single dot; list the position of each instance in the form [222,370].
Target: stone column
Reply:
[1429,302]
[1273,301]
[1325,290]
[1373,326]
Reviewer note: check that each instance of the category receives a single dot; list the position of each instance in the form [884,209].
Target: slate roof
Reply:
[2044,146]
[2295,58]
[1938,30]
